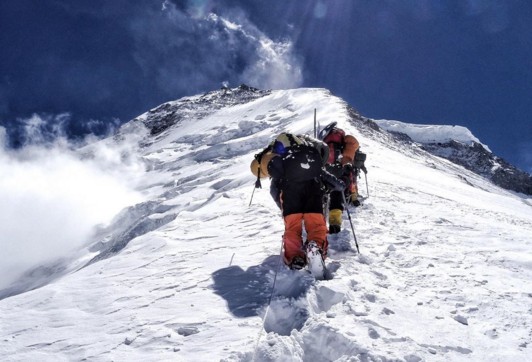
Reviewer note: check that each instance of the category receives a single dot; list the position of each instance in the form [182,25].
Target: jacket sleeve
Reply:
[275,191]
[351,147]
[332,182]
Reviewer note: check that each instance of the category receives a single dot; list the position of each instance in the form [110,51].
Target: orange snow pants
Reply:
[315,227]
[302,207]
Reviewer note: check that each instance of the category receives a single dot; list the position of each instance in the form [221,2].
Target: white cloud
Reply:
[202,49]
[41,129]
[272,65]
[51,199]
[275,68]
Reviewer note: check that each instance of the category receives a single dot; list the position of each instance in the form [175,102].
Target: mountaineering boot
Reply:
[316,265]
[353,198]
[298,263]
[335,221]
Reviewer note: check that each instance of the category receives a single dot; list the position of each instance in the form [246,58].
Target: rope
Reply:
[269,301]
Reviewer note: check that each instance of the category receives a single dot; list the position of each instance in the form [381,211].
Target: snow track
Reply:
[444,271]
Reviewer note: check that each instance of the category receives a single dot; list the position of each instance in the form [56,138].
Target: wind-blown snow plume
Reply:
[218,48]
[52,199]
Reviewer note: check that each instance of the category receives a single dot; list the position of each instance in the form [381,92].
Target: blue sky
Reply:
[86,66]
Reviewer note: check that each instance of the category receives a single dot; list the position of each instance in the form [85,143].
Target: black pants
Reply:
[302,197]
[336,201]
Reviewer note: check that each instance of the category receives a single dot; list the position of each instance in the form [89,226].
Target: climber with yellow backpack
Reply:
[298,182]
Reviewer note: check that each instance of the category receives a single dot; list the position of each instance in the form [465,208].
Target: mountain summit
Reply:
[454,143]
[188,273]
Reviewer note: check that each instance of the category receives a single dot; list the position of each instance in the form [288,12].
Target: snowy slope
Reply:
[186,275]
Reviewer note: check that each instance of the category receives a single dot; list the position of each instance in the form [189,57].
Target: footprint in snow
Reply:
[387,311]
[373,334]
[285,315]
[461,319]
[370,297]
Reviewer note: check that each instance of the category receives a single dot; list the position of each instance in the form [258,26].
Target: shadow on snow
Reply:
[248,292]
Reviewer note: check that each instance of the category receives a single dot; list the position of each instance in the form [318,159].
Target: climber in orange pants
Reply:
[302,206]
[295,166]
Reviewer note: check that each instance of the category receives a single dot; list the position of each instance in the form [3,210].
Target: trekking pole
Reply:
[351,222]
[256,186]
[367,186]
[253,193]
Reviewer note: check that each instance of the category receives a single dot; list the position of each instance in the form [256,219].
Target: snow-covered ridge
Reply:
[459,145]
[423,133]
[187,274]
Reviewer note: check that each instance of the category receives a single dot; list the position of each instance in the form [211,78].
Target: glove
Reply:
[347,169]
[340,186]
[331,182]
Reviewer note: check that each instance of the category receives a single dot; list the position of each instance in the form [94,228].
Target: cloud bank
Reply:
[52,198]
[135,56]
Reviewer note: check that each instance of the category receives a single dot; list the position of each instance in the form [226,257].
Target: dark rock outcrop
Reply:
[476,158]
[168,114]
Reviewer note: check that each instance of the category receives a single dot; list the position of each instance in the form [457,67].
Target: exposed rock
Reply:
[168,114]
[476,158]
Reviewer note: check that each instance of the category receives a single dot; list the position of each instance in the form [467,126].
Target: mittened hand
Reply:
[347,169]
[340,186]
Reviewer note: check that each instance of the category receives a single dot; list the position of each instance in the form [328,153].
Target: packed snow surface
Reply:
[443,275]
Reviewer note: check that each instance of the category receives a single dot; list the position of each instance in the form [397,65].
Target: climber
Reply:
[298,182]
[341,160]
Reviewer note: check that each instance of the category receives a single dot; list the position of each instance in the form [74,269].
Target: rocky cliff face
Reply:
[477,159]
